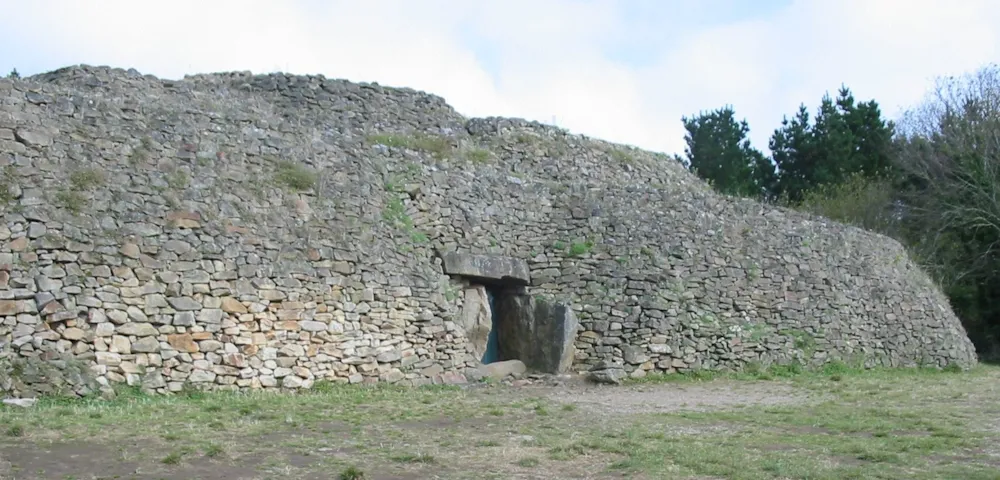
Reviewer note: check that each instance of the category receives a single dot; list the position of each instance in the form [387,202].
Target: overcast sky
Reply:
[622,70]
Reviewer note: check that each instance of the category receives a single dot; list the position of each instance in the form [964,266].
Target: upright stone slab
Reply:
[539,333]
[557,325]
[477,319]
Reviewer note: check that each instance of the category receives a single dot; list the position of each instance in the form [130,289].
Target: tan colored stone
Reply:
[130,250]
[184,219]
[183,342]
[287,325]
[499,370]
[120,344]
[201,336]
[50,308]
[232,305]
[73,334]
[237,229]
[8,307]
[235,359]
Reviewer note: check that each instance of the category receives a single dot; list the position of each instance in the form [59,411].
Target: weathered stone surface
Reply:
[196,241]
[537,332]
[499,370]
[477,319]
[137,329]
[489,267]
[33,138]
[311,326]
[232,305]
[146,345]
[183,303]
[607,372]
[20,402]
[9,307]
[73,334]
[183,342]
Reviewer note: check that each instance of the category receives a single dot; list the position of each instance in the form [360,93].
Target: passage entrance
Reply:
[503,322]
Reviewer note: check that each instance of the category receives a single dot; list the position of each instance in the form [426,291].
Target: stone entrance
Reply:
[503,322]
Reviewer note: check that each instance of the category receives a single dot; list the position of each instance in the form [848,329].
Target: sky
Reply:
[621,70]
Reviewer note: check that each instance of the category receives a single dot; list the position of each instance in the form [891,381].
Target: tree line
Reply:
[930,179]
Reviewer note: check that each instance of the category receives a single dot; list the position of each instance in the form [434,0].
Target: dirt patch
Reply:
[437,423]
[673,397]
[34,461]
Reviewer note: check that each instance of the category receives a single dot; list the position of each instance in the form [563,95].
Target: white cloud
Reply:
[545,59]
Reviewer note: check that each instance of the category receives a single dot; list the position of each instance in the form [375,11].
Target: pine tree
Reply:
[719,151]
[845,139]
[794,154]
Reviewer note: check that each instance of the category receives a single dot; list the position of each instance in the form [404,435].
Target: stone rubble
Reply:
[20,402]
[607,372]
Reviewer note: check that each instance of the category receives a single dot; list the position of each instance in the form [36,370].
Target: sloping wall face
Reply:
[238,231]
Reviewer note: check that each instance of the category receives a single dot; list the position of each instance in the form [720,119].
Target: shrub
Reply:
[861,201]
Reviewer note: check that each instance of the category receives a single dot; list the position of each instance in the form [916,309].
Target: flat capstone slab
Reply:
[489,267]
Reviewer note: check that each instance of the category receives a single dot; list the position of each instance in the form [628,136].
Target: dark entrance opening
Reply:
[492,340]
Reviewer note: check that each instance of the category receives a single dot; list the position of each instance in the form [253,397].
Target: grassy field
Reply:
[837,424]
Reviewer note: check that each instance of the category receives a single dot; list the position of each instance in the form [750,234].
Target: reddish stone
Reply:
[18,244]
[8,307]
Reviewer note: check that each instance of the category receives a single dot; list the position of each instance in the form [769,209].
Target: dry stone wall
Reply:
[269,231]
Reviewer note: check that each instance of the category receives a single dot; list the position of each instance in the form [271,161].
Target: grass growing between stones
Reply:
[438,146]
[849,424]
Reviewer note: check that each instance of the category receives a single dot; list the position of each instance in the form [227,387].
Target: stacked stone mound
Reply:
[242,231]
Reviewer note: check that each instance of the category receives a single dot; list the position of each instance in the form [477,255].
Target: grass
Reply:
[8,178]
[394,214]
[852,424]
[86,179]
[16,430]
[478,155]
[177,179]
[580,248]
[71,200]
[351,473]
[621,155]
[295,176]
[71,197]
[438,146]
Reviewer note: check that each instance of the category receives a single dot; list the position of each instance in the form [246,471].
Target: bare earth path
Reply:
[912,424]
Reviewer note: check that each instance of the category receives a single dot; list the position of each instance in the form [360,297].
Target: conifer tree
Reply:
[719,151]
